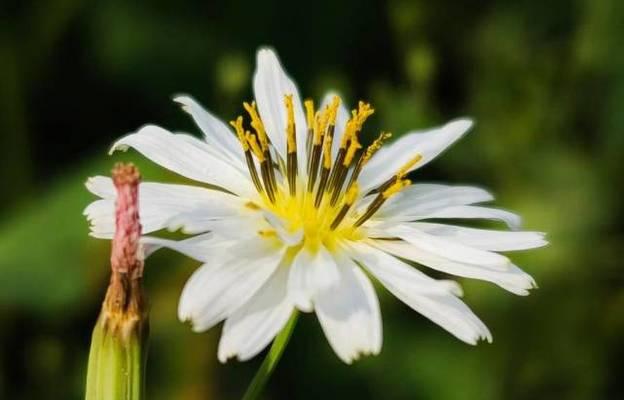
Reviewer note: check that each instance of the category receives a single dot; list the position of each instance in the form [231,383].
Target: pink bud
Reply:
[125,255]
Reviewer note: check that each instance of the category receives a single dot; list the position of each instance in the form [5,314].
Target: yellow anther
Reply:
[320,126]
[395,188]
[351,194]
[332,110]
[364,111]
[354,145]
[309,106]
[355,123]
[290,124]
[253,144]
[348,133]
[408,166]
[376,145]
[252,205]
[327,148]
[237,124]
[257,124]
[268,233]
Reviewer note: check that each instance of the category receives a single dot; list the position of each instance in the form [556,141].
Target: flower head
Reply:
[296,208]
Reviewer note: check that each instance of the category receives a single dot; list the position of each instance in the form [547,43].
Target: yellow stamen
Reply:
[240,132]
[353,148]
[355,123]
[332,110]
[350,197]
[408,166]
[268,233]
[376,145]
[309,106]
[364,111]
[320,126]
[257,124]
[395,188]
[349,132]
[351,194]
[290,124]
[252,206]
[253,144]
[323,206]
[327,147]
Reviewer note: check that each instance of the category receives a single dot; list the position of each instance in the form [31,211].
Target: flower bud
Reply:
[118,344]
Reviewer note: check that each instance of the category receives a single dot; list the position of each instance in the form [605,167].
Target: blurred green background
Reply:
[543,79]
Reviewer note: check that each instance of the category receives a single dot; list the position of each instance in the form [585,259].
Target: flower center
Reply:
[320,201]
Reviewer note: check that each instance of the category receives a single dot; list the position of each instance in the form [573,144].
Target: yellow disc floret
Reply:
[290,124]
[326,212]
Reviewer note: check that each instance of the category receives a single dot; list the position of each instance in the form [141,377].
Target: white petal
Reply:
[242,227]
[512,278]
[253,326]
[309,275]
[216,132]
[423,198]
[349,314]
[217,289]
[429,144]
[161,206]
[188,157]
[512,220]
[448,249]
[410,278]
[484,239]
[271,84]
[409,285]
[342,116]
[101,186]
[205,247]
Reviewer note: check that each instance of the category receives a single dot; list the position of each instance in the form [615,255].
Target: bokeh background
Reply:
[543,79]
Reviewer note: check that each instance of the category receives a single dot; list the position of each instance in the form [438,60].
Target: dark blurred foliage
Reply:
[543,79]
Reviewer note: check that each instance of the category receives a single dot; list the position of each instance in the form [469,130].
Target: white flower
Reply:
[292,212]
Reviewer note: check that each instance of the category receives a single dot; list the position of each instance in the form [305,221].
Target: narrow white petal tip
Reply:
[483,336]
[117,147]
[120,144]
[184,314]
[350,359]
[89,183]
[224,350]
[184,101]
[197,328]
[266,51]
[461,124]
[515,222]
[181,98]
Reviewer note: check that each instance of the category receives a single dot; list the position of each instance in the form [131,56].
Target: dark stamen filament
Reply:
[252,171]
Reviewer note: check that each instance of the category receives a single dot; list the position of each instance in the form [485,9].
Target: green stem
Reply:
[268,365]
